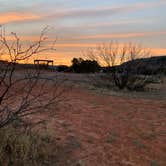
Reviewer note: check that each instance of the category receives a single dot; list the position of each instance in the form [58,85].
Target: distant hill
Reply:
[147,66]
[152,65]
[156,60]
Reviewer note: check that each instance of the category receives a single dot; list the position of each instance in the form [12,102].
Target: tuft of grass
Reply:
[154,163]
[138,143]
[113,136]
[114,113]
[18,147]
[150,135]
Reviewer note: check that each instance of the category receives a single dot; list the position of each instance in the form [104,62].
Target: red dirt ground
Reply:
[101,130]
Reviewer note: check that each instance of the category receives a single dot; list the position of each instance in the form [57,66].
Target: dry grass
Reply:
[23,148]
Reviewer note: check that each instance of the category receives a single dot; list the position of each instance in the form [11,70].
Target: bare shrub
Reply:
[119,68]
[27,92]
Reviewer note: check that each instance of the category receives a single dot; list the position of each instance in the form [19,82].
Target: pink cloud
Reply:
[120,35]
[17,17]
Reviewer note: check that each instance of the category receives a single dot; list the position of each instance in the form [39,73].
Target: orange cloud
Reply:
[83,44]
[75,45]
[23,38]
[17,17]
[94,12]
[120,35]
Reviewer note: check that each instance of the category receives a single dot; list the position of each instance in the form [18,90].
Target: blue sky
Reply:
[79,24]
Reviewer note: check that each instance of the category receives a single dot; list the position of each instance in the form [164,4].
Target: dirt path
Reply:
[99,130]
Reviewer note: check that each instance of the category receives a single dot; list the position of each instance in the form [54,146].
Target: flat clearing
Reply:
[108,128]
[104,130]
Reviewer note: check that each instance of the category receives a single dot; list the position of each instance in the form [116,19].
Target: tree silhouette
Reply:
[84,66]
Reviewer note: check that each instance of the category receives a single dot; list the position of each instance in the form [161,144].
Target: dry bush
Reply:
[19,147]
[26,92]
[120,71]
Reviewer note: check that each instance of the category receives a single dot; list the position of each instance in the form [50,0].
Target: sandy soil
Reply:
[103,130]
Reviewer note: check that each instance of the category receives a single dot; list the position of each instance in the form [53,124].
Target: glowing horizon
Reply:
[81,24]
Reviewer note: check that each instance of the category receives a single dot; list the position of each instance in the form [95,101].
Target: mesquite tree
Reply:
[25,92]
[117,58]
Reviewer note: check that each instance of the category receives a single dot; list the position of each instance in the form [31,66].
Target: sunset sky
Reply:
[79,24]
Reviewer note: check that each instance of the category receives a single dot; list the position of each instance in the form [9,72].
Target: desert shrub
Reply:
[63,68]
[42,66]
[19,147]
[117,60]
[137,83]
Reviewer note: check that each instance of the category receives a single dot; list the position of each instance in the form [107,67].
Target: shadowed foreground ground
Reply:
[100,130]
